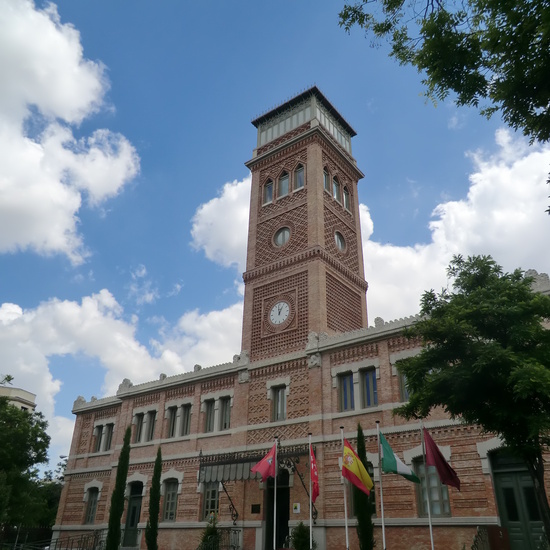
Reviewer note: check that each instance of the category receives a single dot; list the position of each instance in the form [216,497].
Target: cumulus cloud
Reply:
[502,215]
[95,327]
[209,230]
[46,174]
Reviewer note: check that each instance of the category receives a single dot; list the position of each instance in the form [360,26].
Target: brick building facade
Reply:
[307,365]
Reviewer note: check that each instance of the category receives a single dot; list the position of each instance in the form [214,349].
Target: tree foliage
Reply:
[23,445]
[492,53]
[486,359]
[363,503]
[152,527]
[117,498]
[299,538]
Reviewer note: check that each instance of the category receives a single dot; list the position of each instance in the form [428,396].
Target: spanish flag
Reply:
[354,471]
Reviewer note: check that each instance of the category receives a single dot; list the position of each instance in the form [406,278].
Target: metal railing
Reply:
[224,539]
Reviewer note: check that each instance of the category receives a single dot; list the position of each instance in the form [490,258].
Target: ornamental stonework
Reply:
[144,400]
[353,354]
[343,306]
[266,344]
[107,413]
[296,221]
[216,384]
[349,256]
[400,343]
[181,391]
[285,137]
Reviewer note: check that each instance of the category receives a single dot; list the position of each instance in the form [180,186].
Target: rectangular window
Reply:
[268,193]
[209,416]
[279,403]
[439,494]
[336,189]
[91,506]
[211,499]
[98,438]
[346,397]
[225,413]
[151,421]
[326,181]
[170,500]
[139,427]
[370,394]
[346,199]
[185,419]
[403,390]
[172,418]
[299,178]
[108,437]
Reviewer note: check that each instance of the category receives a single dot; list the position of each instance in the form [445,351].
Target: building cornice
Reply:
[315,131]
[315,252]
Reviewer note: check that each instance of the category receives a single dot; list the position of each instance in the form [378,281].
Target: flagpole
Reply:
[380,482]
[427,484]
[310,497]
[344,485]
[275,496]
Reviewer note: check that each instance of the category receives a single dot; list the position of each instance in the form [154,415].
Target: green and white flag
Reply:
[391,463]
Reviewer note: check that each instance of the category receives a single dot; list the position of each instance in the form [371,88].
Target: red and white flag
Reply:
[266,467]
[314,475]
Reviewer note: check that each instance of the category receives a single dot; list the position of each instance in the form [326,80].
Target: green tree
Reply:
[299,538]
[23,445]
[211,536]
[491,54]
[117,498]
[152,527]
[486,360]
[363,503]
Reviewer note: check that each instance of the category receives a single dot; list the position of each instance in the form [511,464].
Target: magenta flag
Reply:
[434,458]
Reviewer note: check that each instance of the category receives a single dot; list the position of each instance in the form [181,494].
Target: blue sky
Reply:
[124,128]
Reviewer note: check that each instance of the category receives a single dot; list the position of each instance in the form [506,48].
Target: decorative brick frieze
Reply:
[353,354]
[216,384]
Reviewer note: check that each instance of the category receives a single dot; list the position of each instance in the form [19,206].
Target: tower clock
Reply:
[304,269]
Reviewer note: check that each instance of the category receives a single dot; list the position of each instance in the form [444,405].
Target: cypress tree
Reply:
[363,504]
[152,527]
[117,498]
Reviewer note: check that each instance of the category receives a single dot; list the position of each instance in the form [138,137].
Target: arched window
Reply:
[336,189]
[299,177]
[326,181]
[340,241]
[282,190]
[268,193]
[346,199]
[92,496]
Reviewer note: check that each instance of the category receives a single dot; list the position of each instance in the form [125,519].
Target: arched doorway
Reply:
[283,510]
[517,505]
[130,539]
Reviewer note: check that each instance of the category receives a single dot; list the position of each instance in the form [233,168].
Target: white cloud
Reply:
[502,215]
[95,327]
[45,175]
[210,229]
[142,289]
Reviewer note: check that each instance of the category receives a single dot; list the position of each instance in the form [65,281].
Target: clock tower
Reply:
[304,267]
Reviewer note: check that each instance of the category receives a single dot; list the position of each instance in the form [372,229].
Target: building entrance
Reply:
[283,511]
[517,505]
[130,539]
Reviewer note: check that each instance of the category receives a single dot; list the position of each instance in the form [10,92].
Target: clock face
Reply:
[279,313]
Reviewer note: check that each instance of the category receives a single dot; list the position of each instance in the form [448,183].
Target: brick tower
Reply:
[304,268]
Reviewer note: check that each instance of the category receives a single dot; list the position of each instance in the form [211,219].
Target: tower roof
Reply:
[297,99]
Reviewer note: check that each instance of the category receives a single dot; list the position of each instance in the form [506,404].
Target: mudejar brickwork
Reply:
[308,364]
